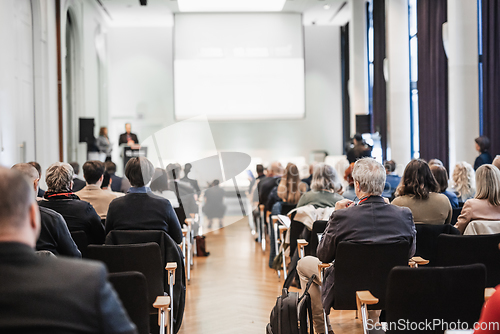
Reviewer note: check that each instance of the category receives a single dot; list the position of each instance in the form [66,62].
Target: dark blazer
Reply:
[371,221]
[265,186]
[143,211]
[54,234]
[123,138]
[56,295]
[483,159]
[79,216]
[78,185]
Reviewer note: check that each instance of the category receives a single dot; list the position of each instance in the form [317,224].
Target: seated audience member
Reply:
[48,295]
[391,179]
[140,209]
[435,162]
[486,204]
[308,179]
[419,192]
[119,184]
[192,182]
[93,172]
[482,146]
[54,234]
[214,203]
[106,185]
[489,322]
[441,177]
[79,215]
[78,183]
[289,189]
[252,188]
[372,220]
[326,188]
[462,181]
[267,184]
[38,168]
[359,150]
[349,193]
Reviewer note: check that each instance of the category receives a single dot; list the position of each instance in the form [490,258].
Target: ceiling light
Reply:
[231,5]
[326,7]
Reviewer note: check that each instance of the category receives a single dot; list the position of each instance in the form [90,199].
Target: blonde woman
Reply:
[486,204]
[462,181]
[290,188]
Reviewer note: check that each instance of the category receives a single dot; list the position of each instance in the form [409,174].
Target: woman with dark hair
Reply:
[482,146]
[419,191]
[441,177]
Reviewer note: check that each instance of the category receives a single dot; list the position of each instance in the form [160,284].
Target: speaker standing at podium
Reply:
[128,137]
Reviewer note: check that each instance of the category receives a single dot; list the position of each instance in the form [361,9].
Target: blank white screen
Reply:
[239,66]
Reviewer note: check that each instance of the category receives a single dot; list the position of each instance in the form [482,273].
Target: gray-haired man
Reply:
[371,220]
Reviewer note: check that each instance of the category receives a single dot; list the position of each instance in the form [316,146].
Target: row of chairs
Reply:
[135,259]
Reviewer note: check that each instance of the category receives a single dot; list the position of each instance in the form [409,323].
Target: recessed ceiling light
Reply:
[326,7]
[231,5]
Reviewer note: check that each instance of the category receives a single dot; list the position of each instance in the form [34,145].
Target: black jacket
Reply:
[143,211]
[79,216]
[371,221]
[123,138]
[48,295]
[54,235]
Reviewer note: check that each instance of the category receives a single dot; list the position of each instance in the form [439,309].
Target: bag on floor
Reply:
[291,313]
[201,246]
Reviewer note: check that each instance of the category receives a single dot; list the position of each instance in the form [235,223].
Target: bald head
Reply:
[19,197]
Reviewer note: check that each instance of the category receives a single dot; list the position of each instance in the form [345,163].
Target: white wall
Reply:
[141,92]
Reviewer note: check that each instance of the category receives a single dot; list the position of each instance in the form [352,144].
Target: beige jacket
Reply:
[477,209]
[434,210]
[98,198]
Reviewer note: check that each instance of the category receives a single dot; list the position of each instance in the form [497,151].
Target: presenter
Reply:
[128,137]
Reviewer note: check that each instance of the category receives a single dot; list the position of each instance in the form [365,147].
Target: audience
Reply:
[419,192]
[486,204]
[118,184]
[45,294]
[93,172]
[54,234]
[38,168]
[372,220]
[349,192]
[435,162]
[391,179]
[326,188]
[140,209]
[78,184]
[441,177]
[79,215]
[267,184]
[308,179]
[482,146]
[462,181]
[214,203]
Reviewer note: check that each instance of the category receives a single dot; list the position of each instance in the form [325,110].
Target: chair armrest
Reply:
[162,302]
[322,265]
[282,228]
[170,267]
[188,221]
[262,207]
[488,292]
[417,261]
[366,297]
[302,243]
[184,231]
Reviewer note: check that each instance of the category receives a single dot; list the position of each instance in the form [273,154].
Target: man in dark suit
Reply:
[78,184]
[267,184]
[140,209]
[47,295]
[371,220]
[128,137]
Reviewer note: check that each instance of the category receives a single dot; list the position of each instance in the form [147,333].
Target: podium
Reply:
[133,151]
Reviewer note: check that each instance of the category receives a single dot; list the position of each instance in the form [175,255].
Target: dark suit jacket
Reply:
[79,216]
[78,184]
[54,235]
[56,295]
[482,159]
[123,138]
[143,211]
[265,187]
[371,221]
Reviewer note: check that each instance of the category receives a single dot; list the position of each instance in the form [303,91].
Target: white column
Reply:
[398,85]
[463,92]
[358,81]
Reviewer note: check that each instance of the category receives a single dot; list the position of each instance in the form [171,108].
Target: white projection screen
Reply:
[239,66]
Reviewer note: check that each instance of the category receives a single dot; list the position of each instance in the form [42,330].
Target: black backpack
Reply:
[291,312]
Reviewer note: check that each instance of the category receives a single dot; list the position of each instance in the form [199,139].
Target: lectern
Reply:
[131,151]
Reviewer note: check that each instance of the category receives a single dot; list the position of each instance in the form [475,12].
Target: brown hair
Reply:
[14,207]
[417,180]
[441,177]
[101,130]
[483,142]
[92,171]
[290,188]
[139,171]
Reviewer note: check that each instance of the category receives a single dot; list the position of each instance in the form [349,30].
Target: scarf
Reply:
[61,195]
